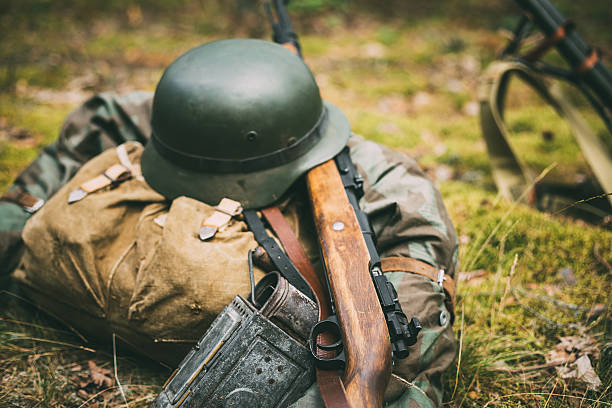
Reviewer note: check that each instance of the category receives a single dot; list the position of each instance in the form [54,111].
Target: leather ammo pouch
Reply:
[245,358]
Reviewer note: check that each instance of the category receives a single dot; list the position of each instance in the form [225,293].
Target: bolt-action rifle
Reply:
[365,316]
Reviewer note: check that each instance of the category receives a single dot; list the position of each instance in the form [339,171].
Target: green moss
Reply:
[314,46]
[54,77]
[497,232]
[387,35]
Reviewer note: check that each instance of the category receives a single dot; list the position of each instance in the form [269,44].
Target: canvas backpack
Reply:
[123,260]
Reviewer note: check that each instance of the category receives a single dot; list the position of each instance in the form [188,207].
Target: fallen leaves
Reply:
[571,359]
[96,380]
[583,371]
[466,276]
[99,376]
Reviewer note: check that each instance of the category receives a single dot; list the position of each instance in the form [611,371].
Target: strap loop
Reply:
[447,283]
[510,173]
[28,202]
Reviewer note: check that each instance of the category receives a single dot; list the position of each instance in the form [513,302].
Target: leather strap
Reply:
[329,382]
[28,202]
[296,253]
[111,175]
[511,174]
[224,211]
[278,257]
[403,264]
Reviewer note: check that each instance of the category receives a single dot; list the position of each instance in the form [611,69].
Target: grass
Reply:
[405,82]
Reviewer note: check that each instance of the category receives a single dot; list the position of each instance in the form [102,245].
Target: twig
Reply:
[585,200]
[408,384]
[59,343]
[542,393]
[508,283]
[556,302]
[37,326]
[460,350]
[115,365]
[94,396]
[601,258]
[528,368]
[546,320]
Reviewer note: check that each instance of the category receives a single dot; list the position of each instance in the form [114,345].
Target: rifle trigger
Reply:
[331,327]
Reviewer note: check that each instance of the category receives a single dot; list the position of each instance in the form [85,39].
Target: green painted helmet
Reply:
[241,119]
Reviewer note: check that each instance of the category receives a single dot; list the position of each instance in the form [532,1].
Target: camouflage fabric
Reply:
[405,209]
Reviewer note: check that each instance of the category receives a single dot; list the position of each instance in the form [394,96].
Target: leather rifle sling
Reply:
[329,382]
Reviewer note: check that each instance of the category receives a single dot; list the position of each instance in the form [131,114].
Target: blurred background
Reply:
[406,74]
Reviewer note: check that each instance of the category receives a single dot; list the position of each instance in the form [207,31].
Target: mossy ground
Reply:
[407,81]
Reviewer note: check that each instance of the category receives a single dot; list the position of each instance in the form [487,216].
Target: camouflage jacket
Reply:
[405,209]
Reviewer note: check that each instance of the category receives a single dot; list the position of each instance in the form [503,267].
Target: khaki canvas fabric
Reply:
[105,265]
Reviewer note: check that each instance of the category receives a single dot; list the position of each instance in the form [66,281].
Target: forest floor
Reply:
[534,288]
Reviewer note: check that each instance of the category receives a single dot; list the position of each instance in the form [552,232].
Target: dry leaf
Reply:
[99,376]
[570,348]
[500,365]
[583,371]
[572,353]
[596,311]
[464,239]
[580,345]
[559,357]
[586,373]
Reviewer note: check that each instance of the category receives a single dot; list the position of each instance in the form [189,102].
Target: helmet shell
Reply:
[238,118]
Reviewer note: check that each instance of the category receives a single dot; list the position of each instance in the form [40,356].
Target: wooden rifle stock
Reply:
[365,335]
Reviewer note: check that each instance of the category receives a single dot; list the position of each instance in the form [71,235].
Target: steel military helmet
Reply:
[238,118]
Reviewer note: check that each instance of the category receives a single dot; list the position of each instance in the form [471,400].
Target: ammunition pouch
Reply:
[245,358]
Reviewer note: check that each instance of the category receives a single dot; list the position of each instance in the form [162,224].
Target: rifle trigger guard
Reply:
[331,327]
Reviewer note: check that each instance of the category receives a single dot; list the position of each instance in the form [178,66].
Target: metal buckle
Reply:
[35,207]
[441,277]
